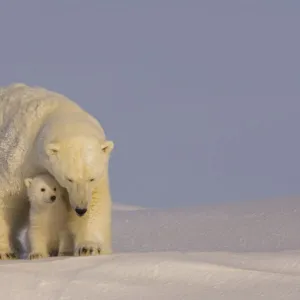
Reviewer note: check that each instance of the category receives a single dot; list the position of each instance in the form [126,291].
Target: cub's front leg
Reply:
[38,239]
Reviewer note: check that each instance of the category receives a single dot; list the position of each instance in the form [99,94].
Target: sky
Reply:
[201,98]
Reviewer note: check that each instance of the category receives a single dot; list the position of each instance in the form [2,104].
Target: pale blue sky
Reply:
[202,98]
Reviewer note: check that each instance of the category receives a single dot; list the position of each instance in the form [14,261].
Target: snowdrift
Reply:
[231,251]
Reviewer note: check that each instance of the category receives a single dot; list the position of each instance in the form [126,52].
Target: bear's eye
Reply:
[43,190]
[69,179]
[92,179]
[54,189]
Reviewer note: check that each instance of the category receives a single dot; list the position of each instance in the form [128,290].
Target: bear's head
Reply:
[42,190]
[78,164]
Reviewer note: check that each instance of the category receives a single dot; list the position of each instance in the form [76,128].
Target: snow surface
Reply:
[233,251]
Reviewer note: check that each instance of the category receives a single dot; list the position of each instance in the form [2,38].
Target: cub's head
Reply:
[42,189]
[78,164]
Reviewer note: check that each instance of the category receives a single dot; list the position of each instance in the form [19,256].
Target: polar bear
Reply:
[47,228]
[45,132]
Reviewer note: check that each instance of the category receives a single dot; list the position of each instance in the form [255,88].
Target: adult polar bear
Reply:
[41,131]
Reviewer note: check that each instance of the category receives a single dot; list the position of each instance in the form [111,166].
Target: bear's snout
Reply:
[80,211]
[52,198]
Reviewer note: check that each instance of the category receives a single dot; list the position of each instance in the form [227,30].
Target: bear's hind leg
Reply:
[19,222]
[6,251]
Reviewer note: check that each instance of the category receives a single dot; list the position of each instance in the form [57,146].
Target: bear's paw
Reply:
[88,250]
[8,255]
[36,255]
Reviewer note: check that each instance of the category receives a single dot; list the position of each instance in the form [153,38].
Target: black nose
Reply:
[52,198]
[80,211]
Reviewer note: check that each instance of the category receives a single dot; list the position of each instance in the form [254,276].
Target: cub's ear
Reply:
[28,182]
[52,149]
[107,146]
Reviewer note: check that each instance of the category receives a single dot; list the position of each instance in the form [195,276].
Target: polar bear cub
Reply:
[47,228]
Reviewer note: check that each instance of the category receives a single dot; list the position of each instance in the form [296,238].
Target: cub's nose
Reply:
[52,198]
[80,211]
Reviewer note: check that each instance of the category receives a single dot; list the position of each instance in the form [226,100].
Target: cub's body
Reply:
[47,230]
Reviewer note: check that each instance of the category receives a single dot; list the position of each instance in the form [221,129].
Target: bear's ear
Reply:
[52,149]
[107,146]
[28,182]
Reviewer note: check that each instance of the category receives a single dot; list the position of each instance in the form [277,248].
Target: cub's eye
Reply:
[92,179]
[54,189]
[69,179]
[43,190]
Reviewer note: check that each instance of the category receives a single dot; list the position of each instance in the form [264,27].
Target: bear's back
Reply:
[23,111]
[19,100]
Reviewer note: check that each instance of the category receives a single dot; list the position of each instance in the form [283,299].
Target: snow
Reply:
[247,250]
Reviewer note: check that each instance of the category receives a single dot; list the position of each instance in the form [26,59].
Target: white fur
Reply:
[47,230]
[42,131]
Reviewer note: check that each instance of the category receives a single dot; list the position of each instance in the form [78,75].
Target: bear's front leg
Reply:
[92,236]
[92,232]
[66,244]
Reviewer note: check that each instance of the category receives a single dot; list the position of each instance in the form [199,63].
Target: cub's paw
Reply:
[88,250]
[7,255]
[36,255]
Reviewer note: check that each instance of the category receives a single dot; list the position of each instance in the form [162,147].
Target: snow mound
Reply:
[167,275]
[236,251]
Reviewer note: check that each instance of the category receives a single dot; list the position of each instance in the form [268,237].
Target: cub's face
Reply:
[42,189]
